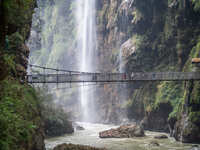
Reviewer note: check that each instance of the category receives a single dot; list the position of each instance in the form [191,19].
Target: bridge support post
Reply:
[57,77]
[44,72]
[70,83]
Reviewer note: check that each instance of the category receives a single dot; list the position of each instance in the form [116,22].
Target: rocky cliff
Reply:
[20,118]
[15,30]
[154,35]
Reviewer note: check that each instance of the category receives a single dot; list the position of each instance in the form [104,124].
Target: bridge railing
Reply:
[112,77]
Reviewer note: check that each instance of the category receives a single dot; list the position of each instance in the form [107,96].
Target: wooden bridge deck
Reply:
[112,77]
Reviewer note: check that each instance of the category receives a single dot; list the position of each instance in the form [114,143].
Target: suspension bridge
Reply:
[67,76]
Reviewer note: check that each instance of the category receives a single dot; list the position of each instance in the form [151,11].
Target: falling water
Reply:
[64,36]
[87,47]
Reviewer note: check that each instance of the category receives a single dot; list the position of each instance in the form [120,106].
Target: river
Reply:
[89,136]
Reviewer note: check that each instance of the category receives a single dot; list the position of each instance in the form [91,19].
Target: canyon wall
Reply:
[133,36]
[20,117]
[154,36]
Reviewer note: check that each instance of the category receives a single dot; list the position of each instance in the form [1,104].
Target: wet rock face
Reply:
[162,136]
[16,19]
[57,127]
[187,128]
[79,128]
[38,141]
[15,25]
[154,143]
[186,131]
[195,147]
[157,119]
[125,131]
[17,47]
[75,147]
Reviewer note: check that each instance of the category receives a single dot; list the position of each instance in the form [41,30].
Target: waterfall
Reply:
[63,35]
[87,46]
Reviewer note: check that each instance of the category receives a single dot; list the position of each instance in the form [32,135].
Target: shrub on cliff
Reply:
[7,65]
[19,117]
[196,5]
[18,12]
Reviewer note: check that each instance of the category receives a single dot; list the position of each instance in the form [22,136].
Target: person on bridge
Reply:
[124,76]
[132,76]
[94,77]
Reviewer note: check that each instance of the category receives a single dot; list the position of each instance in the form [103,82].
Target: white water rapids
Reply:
[89,136]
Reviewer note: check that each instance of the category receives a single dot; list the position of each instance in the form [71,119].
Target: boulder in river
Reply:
[125,131]
[79,128]
[195,147]
[161,136]
[75,147]
[154,143]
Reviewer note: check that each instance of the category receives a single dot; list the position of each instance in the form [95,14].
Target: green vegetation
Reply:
[7,65]
[137,16]
[165,92]
[9,62]
[195,94]
[18,11]
[138,40]
[196,5]
[170,92]
[193,54]
[16,17]
[194,117]
[15,41]
[194,104]
[19,115]
[158,50]
[20,118]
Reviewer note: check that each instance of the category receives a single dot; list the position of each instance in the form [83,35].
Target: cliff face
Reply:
[135,35]
[113,25]
[155,36]
[16,18]
[20,119]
